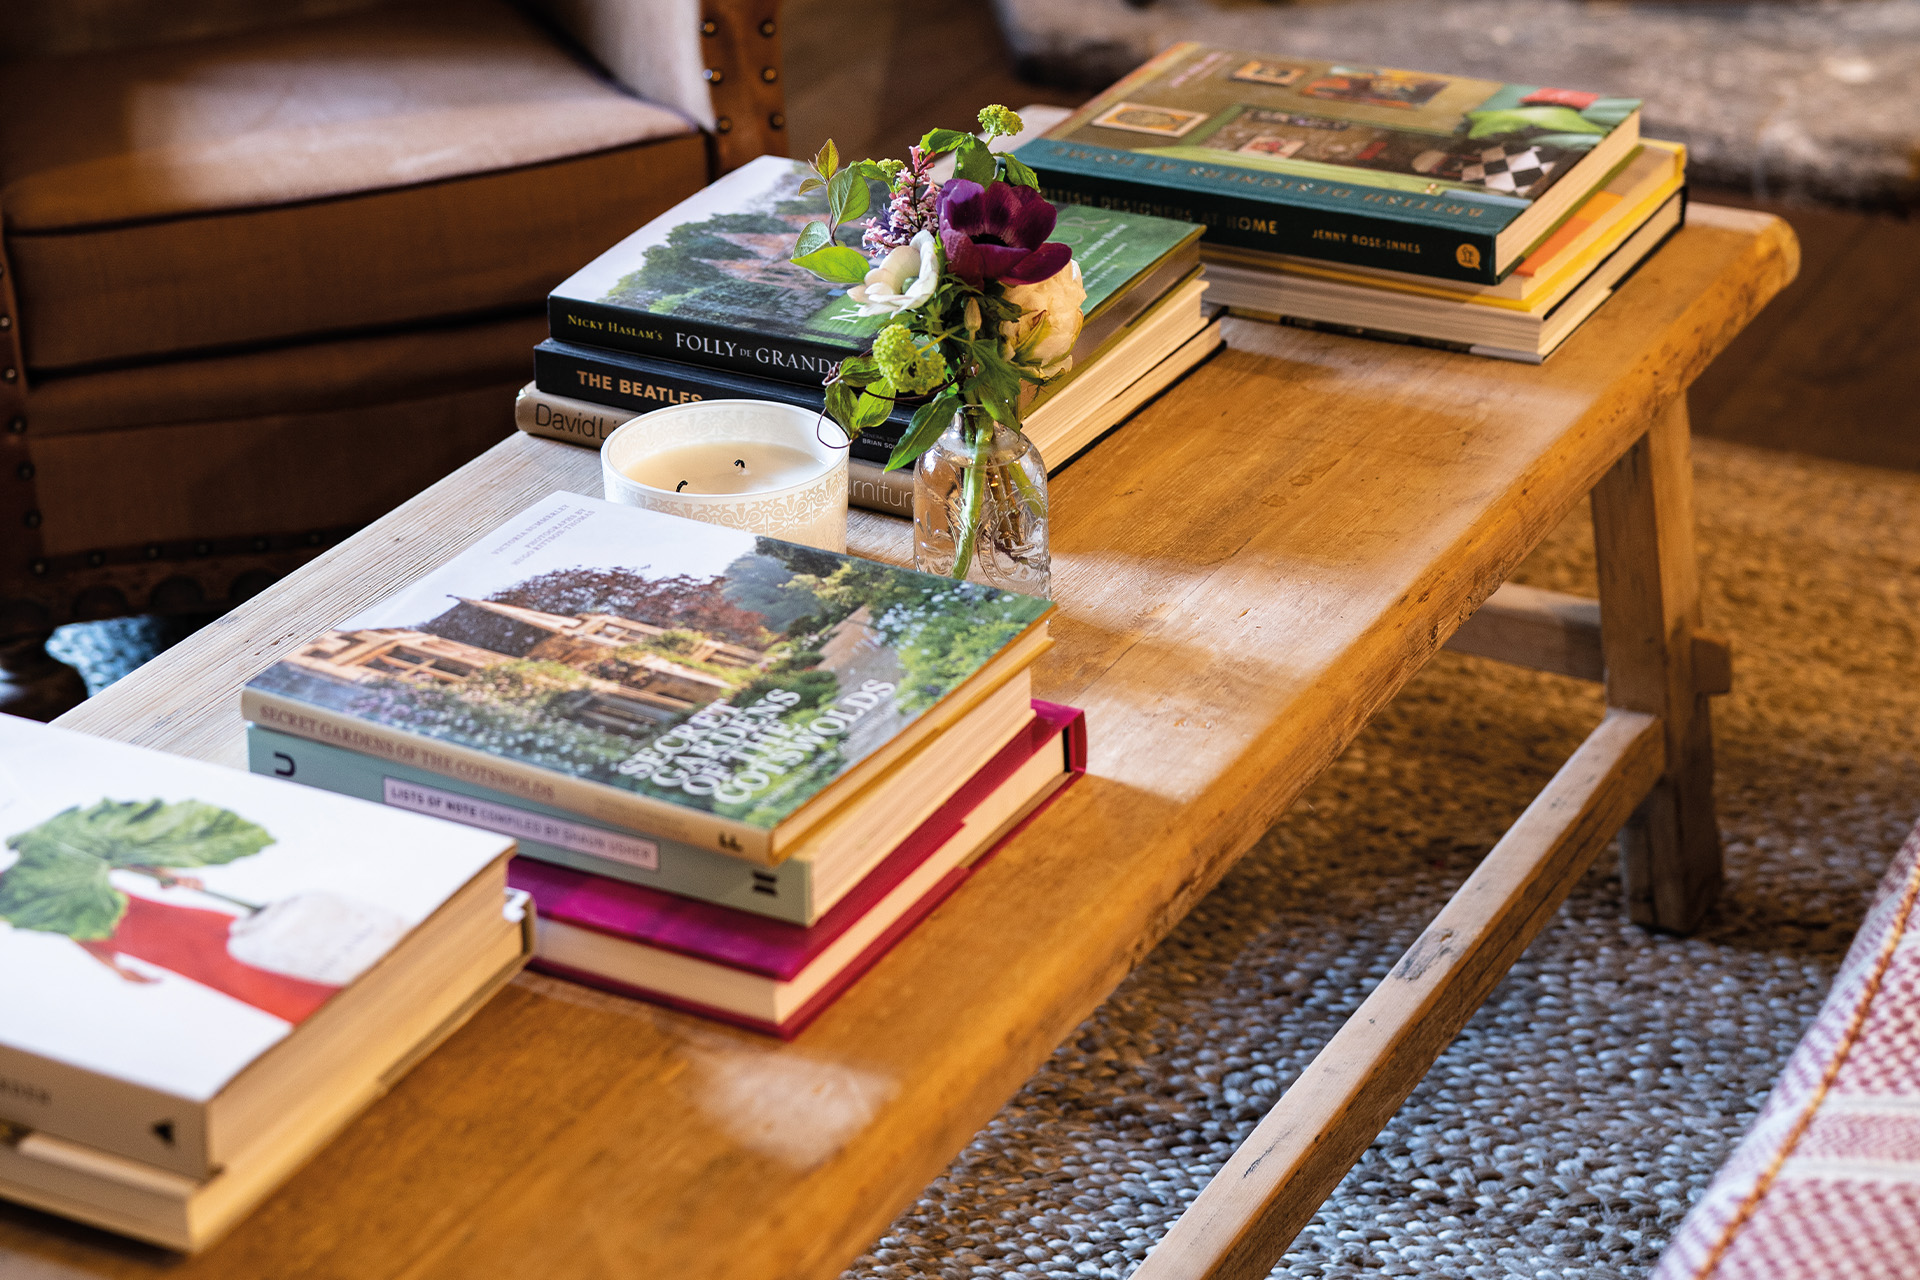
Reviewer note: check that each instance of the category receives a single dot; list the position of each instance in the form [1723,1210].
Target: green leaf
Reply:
[61,893]
[929,420]
[938,142]
[846,196]
[826,160]
[836,263]
[870,171]
[842,403]
[1019,173]
[871,410]
[810,185]
[814,236]
[860,370]
[60,882]
[972,161]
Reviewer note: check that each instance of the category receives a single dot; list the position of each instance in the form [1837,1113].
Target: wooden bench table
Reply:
[1247,572]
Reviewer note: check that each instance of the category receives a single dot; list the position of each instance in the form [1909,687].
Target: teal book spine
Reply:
[544,833]
[1441,234]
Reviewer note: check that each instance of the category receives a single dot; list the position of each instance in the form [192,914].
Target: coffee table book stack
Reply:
[701,303]
[204,975]
[738,769]
[1442,210]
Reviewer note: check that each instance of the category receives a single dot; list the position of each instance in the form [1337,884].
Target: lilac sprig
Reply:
[913,208]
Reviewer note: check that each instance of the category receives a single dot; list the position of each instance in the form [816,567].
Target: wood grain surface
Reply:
[1246,571]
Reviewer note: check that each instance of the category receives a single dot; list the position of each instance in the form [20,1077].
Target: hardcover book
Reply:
[1443,176]
[708,282]
[692,682]
[776,977]
[199,968]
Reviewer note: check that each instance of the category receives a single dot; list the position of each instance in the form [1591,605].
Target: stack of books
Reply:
[1441,210]
[738,769]
[701,303]
[204,975]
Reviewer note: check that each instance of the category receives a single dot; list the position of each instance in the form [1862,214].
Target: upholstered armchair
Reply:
[268,269]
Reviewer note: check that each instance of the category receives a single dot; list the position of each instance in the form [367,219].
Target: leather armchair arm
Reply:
[718,61]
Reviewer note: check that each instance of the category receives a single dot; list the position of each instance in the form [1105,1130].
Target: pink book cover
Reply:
[777,948]
[772,947]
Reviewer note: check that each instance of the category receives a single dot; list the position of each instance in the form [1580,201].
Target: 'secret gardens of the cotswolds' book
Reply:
[675,678]
[178,941]
[1444,176]
[708,282]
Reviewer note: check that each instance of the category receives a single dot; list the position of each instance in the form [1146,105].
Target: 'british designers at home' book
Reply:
[1443,176]
[674,678]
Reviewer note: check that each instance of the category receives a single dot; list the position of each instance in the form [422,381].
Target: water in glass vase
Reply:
[980,509]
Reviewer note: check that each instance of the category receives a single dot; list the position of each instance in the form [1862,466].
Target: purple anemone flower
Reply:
[998,232]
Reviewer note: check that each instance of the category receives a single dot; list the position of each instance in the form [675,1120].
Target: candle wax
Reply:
[718,468]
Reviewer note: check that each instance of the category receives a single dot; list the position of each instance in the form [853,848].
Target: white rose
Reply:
[1056,300]
[903,280]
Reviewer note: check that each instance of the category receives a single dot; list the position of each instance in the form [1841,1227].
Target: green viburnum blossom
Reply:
[889,169]
[912,367]
[999,122]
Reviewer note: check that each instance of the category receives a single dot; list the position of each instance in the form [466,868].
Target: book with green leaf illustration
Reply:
[178,941]
[676,679]
[1445,176]
[708,282]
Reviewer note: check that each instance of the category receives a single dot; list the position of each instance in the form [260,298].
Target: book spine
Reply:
[1269,226]
[564,418]
[871,485]
[667,337]
[543,832]
[41,1095]
[586,376]
[628,810]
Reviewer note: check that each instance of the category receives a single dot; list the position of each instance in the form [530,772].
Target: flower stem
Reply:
[973,490]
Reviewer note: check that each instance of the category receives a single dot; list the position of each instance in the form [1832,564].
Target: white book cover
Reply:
[165,922]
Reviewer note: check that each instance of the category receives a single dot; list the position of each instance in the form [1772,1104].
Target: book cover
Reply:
[708,282]
[164,923]
[699,683]
[1370,165]
[793,973]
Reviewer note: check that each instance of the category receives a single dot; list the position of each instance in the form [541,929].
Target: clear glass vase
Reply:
[980,507]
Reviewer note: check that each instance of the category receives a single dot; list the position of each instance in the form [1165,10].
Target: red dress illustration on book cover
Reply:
[284,958]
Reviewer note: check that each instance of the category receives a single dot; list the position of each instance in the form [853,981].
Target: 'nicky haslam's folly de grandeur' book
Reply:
[680,679]
[1442,176]
[204,974]
[708,282]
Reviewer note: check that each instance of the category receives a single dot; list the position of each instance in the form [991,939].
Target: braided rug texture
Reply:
[1568,1128]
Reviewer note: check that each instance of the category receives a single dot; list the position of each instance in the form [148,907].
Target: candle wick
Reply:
[677,488]
[740,463]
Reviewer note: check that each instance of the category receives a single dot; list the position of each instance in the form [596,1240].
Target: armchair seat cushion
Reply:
[435,159]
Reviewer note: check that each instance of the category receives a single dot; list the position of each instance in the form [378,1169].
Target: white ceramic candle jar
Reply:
[747,464]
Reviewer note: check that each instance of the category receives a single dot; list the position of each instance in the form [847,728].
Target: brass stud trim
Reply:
[18,426]
[709,28]
[767,28]
[723,125]
[777,121]
[26,471]
[715,75]
[31,520]
[769,74]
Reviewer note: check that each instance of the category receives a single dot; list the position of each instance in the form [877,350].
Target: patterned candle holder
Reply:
[746,464]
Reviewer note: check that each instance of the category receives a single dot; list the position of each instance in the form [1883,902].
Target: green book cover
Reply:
[1248,142]
[708,282]
[693,681]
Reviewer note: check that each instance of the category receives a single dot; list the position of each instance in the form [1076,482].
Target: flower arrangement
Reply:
[983,304]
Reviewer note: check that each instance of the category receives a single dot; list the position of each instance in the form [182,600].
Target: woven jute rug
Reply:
[1568,1128]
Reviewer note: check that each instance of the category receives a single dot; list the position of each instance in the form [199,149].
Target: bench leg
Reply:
[1649,613]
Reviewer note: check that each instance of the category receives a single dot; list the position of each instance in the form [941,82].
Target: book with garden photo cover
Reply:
[179,941]
[676,679]
[708,283]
